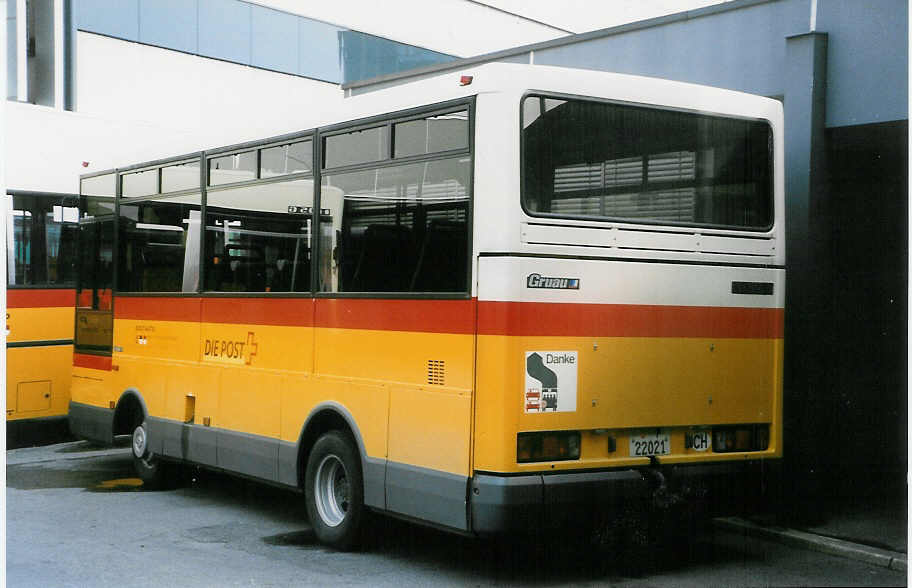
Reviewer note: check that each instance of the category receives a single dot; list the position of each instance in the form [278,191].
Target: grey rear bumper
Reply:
[504,504]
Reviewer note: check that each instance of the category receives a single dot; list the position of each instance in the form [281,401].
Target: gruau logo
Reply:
[540,281]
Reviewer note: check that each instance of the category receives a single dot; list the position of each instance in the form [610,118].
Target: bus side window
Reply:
[441,263]
[42,234]
[403,228]
[258,237]
[385,261]
[158,245]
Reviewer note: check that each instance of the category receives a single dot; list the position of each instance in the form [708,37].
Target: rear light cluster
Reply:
[565,445]
[740,438]
[547,446]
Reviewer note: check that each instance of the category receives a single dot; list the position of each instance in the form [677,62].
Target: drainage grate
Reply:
[436,369]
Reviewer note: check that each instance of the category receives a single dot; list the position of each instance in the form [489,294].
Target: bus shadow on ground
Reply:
[75,473]
[564,557]
[293,539]
[230,491]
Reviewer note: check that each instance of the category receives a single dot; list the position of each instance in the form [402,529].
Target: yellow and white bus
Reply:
[42,262]
[488,301]
[41,250]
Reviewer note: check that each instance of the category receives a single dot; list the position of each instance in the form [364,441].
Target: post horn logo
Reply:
[250,348]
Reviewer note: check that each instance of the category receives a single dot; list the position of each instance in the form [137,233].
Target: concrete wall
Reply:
[740,50]
[867,61]
[741,45]
[745,50]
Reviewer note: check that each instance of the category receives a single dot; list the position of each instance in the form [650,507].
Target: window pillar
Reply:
[21,51]
[58,55]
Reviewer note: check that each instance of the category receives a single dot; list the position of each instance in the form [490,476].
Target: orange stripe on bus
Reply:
[95,362]
[421,315]
[40,298]
[432,316]
[627,320]
[458,316]
[294,312]
[159,308]
[424,315]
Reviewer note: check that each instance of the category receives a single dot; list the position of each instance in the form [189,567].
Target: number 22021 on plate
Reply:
[648,443]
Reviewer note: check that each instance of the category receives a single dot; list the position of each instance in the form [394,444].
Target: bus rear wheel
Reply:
[334,491]
[148,467]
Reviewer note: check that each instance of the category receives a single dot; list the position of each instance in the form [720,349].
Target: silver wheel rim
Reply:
[139,441]
[331,491]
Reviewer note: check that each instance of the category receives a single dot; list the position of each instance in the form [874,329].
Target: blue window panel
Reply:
[224,30]
[168,23]
[318,50]
[115,18]
[366,56]
[274,40]
[11,63]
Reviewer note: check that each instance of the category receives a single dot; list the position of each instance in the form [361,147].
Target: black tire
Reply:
[148,466]
[334,490]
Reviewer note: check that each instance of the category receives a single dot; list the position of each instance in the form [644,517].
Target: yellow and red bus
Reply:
[493,300]
[41,241]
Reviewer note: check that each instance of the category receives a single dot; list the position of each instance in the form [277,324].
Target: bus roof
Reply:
[514,80]
[518,79]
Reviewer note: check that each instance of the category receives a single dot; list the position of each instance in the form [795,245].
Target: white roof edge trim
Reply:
[519,79]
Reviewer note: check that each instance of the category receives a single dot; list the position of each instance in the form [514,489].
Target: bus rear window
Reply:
[598,160]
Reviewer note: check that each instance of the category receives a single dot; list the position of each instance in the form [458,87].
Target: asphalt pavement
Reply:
[76,516]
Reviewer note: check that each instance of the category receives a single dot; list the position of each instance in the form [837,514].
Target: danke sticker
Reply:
[550,381]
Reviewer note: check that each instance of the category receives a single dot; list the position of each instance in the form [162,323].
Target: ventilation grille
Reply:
[436,368]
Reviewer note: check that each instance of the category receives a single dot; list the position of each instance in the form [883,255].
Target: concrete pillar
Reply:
[807,284]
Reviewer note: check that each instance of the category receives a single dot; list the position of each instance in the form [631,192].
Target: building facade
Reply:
[93,84]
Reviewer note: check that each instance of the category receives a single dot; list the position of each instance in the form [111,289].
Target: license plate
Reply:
[696,440]
[650,443]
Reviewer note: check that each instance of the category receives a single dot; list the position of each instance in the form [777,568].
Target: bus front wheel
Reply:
[334,491]
[148,467]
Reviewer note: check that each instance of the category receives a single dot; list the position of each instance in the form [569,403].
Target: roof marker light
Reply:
[465,80]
